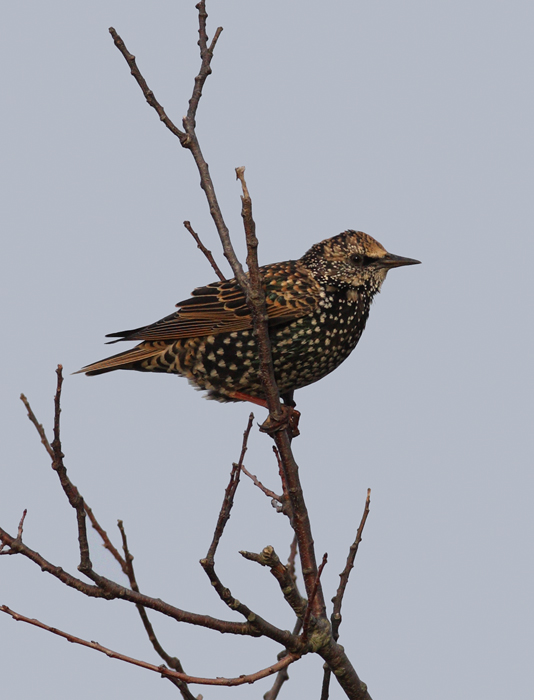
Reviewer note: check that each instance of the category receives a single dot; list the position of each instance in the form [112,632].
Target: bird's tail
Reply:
[130,359]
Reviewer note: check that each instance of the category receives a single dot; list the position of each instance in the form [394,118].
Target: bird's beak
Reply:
[389,260]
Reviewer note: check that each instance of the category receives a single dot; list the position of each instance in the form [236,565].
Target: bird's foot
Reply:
[290,416]
[289,421]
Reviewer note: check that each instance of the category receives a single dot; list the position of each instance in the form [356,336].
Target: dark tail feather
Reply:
[125,335]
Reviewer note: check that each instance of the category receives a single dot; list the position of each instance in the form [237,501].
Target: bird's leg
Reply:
[287,398]
[294,415]
[239,396]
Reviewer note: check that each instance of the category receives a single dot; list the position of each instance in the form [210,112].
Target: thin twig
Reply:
[110,590]
[166,672]
[77,501]
[325,687]
[337,600]
[264,489]
[72,493]
[38,426]
[286,501]
[147,92]
[21,524]
[282,675]
[229,494]
[105,588]
[207,253]
[208,563]
[206,54]
[189,124]
[344,575]
[171,661]
[107,543]
[188,139]
[55,452]
[12,547]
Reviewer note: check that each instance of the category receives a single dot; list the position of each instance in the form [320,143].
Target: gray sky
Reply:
[409,120]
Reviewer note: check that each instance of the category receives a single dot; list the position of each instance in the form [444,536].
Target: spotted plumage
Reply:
[317,308]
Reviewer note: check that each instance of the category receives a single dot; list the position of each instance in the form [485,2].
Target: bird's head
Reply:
[352,260]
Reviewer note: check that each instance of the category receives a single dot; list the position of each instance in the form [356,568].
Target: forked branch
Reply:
[254,296]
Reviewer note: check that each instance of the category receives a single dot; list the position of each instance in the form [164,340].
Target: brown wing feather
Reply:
[220,307]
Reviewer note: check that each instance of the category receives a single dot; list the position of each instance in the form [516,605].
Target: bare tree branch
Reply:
[208,563]
[104,588]
[171,661]
[166,672]
[344,575]
[206,54]
[229,494]
[18,538]
[126,564]
[264,489]
[107,542]
[38,426]
[306,621]
[72,493]
[109,590]
[147,92]
[188,139]
[54,451]
[77,502]
[338,598]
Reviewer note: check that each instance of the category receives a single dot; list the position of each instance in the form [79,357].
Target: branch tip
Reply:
[207,253]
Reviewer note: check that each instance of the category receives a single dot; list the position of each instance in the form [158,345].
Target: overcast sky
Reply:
[411,121]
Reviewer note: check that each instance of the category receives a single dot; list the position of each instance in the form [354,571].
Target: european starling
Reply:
[317,308]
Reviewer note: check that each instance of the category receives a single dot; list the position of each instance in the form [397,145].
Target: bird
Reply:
[317,308]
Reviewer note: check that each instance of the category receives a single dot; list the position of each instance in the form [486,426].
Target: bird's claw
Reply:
[289,420]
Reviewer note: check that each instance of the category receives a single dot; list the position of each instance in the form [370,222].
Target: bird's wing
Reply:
[220,307]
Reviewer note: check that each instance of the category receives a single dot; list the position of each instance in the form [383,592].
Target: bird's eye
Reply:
[361,260]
